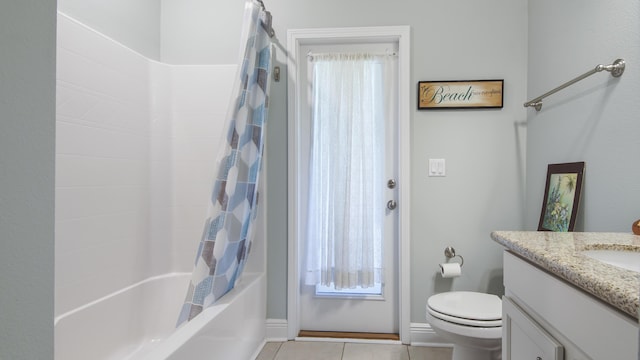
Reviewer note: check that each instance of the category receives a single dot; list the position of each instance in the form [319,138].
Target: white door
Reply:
[374,309]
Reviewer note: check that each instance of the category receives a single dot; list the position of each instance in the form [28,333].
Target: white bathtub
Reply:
[138,322]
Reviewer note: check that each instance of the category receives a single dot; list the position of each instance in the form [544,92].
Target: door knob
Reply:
[391,204]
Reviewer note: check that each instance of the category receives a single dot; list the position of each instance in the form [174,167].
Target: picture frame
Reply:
[561,197]
[460,94]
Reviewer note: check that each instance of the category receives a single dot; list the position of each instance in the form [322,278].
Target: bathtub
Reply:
[138,323]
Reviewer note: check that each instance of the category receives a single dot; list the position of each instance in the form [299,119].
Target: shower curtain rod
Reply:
[310,55]
[616,69]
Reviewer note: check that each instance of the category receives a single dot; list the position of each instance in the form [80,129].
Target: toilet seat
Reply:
[465,322]
[467,308]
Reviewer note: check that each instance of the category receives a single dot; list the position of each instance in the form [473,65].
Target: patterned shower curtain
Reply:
[226,239]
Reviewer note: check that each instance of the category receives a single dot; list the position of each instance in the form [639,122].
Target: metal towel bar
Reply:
[616,69]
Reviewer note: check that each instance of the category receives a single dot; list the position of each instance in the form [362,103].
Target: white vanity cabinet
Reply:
[547,318]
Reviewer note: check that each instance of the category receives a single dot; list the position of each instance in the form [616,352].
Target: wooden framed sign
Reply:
[460,94]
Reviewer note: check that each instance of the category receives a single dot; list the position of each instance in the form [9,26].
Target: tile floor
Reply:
[312,350]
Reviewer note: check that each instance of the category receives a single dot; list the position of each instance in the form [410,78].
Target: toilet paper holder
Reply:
[450,253]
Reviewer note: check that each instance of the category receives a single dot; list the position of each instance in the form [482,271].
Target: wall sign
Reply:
[460,94]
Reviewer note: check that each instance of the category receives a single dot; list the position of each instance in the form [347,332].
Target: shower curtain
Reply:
[226,239]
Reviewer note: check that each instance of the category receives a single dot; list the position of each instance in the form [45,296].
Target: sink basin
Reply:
[629,260]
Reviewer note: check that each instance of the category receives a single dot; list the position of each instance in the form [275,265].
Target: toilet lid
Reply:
[467,305]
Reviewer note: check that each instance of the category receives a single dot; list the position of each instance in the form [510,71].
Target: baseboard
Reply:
[422,334]
[276,330]
[257,352]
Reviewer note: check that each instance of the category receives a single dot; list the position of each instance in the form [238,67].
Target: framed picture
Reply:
[561,197]
[460,94]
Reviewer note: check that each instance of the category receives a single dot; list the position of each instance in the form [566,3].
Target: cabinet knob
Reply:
[538,358]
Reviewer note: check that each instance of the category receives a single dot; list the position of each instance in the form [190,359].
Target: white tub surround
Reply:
[136,148]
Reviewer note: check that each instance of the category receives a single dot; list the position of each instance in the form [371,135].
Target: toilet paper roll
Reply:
[450,270]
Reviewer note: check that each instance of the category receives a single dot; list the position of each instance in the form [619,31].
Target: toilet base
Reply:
[469,353]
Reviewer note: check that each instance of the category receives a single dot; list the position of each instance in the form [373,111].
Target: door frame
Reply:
[296,38]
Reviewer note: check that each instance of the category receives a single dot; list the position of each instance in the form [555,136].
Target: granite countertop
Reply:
[560,254]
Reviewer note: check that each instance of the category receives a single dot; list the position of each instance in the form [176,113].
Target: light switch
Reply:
[437,167]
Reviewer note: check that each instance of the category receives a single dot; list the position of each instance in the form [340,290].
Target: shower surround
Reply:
[136,148]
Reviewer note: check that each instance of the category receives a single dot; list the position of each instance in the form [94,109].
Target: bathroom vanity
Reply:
[562,302]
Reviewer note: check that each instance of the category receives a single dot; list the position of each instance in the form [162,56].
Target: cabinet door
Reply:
[523,338]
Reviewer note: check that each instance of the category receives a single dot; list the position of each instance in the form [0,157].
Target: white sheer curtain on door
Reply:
[346,170]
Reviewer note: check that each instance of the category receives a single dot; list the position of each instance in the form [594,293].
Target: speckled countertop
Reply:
[560,254]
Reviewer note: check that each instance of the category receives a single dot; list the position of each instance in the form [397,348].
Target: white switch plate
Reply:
[437,167]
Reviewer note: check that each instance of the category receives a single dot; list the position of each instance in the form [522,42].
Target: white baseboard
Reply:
[257,352]
[422,334]
[276,330]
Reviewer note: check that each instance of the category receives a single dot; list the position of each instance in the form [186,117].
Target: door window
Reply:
[346,174]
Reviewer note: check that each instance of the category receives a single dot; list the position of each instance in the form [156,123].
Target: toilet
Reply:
[472,321]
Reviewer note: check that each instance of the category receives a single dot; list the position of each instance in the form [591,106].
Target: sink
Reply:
[629,260]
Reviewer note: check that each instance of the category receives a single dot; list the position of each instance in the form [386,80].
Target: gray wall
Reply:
[201,31]
[27,133]
[135,24]
[595,120]
[484,149]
